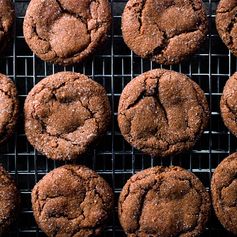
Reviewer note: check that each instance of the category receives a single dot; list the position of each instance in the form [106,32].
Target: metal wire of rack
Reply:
[114,66]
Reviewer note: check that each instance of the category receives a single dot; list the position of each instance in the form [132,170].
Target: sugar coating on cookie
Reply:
[9,107]
[9,200]
[65,114]
[164,201]
[228,104]
[72,201]
[226,19]
[66,31]
[165,31]
[7,16]
[162,112]
[223,189]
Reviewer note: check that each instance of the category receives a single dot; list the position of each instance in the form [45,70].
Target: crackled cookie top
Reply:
[72,201]
[66,31]
[163,201]
[162,112]
[8,107]
[224,192]
[9,200]
[165,31]
[228,104]
[6,21]
[226,23]
[64,114]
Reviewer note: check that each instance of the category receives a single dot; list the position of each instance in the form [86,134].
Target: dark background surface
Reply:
[114,66]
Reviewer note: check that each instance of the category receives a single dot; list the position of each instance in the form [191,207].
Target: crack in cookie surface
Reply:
[151,200]
[65,114]
[162,112]
[228,104]
[72,200]
[9,108]
[226,19]
[9,200]
[163,27]
[71,30]
[223,188]
[7,16]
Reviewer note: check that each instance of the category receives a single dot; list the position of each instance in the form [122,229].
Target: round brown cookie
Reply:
[65,113]
[66,31]
[7,16]
[226,19]
[72,201]
[9,200]
[166,31]
[164,201]
[8,107]
[162,112]
[228,104]
[224,190]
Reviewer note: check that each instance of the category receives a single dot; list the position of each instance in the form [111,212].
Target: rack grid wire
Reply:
[114,66]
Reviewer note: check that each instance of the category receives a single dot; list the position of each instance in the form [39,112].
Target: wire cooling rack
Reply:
[114,66]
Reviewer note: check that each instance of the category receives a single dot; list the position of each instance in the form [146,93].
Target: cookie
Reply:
[226,23]
[65,114]
[66,31]
[228,105]
[9,108]
[165,31]
[9,200]
[224,189]
[72,201]
[162,112]
[7,15]
[164,201]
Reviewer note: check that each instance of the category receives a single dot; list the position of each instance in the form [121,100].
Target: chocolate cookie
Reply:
[165,31]
[72,201]
[7,16]
[224,189]
[66,31]
[8,108]
[163,201]
[9,200]
[162,112]
[226,19]
[64,114]
[228,104]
